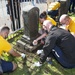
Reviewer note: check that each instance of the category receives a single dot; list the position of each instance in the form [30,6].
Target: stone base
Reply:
[22,46]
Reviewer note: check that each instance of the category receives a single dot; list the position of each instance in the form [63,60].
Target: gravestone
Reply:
[31,22]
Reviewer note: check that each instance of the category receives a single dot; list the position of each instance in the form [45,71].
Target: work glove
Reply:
[23,55]
[37,64]
[39,51]
[35,42]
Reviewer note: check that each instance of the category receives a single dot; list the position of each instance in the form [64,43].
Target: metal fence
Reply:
[11,12]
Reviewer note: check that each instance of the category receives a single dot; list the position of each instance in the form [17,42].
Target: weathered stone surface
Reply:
[31,21]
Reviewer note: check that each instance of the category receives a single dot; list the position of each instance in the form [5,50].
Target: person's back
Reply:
[66,42]
[59,43]
[71,26]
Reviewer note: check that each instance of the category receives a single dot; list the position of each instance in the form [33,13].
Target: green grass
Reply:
[25,67]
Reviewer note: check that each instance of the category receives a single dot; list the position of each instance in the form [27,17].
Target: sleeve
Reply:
[7,47]
[47,48]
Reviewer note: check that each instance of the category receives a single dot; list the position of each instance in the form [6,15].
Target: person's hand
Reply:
[35,42]
[37,64]
[23,55]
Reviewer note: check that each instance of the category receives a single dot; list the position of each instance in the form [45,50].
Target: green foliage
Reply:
[25,67]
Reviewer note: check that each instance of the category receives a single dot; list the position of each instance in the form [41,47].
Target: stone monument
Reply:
[31,22]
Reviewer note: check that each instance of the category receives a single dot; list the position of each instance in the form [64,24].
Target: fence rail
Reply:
[5,18]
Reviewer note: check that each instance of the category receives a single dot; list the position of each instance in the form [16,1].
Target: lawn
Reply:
[25,66]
